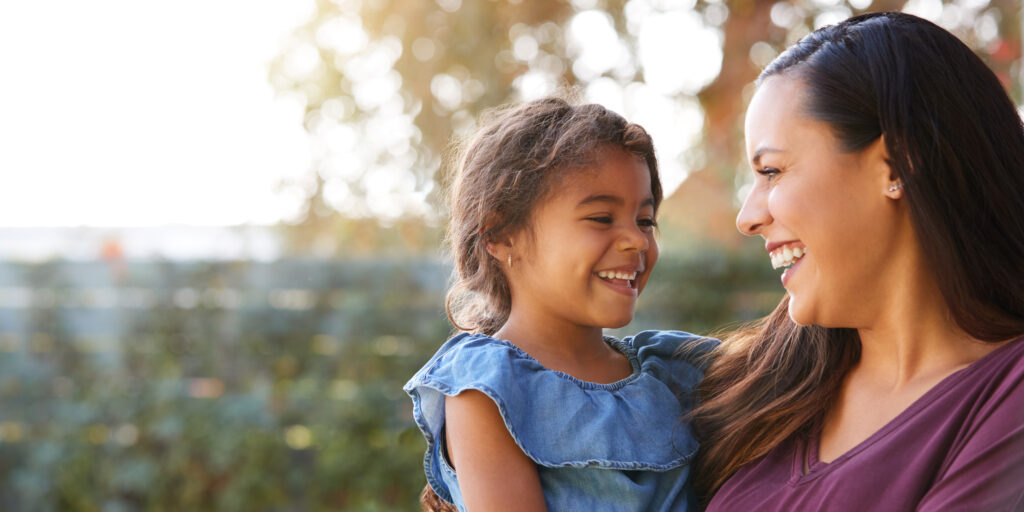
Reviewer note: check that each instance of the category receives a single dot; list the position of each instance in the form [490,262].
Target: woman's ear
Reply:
[878,157]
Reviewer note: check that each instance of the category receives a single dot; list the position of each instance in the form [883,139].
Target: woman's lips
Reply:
[788,273]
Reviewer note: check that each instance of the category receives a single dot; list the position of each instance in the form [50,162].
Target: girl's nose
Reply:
[634,239]
[753,216]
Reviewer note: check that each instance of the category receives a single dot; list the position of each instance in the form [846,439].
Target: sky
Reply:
[145,113]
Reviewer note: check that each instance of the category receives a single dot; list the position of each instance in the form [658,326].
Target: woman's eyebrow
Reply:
[756,159]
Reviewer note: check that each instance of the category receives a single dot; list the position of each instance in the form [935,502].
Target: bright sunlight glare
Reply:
[125,113]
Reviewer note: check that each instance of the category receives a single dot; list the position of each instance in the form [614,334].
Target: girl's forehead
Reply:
[612,174]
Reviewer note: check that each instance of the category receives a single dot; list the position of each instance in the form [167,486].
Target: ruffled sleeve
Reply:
[560,421]
[676,358]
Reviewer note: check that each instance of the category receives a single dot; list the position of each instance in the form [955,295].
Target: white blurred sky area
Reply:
[144,113]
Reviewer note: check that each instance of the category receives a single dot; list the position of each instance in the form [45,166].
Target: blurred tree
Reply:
[388,83]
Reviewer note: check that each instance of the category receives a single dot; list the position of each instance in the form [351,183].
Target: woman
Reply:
[889,179]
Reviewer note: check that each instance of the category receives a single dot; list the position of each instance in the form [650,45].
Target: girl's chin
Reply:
[617,321]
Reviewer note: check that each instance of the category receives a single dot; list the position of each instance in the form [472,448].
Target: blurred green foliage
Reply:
[252,386]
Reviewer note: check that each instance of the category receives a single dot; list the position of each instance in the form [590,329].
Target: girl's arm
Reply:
[494,473]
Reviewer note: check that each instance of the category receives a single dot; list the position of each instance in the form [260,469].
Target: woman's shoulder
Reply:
[998,373]
[999,376]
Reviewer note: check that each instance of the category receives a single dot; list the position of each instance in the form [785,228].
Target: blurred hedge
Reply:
[252,386]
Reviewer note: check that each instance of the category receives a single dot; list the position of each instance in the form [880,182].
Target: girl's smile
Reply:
[589,249]
[621,280]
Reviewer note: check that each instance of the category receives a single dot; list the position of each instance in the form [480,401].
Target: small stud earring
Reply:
[509,260]
[896,186]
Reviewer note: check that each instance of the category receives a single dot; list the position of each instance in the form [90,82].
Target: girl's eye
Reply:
[602,220]
[647,223]
[768,172]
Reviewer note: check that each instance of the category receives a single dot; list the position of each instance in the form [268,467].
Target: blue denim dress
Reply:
[598,447]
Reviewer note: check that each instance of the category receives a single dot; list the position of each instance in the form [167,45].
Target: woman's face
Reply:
[827,216]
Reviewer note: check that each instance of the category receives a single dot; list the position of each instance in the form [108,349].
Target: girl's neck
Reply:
[579,351]
[563,341]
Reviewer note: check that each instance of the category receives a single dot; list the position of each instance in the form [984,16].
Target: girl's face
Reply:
[590,248]
[827,213]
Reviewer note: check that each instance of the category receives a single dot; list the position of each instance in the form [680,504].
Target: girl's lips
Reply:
[623,287]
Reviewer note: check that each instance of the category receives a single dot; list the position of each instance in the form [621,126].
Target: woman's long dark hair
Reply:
[957,143]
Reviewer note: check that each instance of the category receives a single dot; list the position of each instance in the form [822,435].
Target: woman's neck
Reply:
[914,336]
[908,334]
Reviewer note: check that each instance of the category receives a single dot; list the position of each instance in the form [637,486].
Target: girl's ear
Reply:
[499,249]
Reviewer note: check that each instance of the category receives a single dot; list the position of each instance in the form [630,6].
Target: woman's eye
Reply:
[768,172]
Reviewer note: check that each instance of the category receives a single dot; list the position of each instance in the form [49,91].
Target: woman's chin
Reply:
[807,316]
[800,316]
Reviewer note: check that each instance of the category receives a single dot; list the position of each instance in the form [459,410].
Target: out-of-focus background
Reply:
[220,220]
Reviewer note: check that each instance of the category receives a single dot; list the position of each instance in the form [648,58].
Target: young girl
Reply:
[532,408]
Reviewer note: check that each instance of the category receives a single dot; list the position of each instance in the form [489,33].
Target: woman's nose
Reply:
[753,216]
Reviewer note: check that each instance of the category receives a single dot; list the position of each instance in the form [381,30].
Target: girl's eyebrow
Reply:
[611,198]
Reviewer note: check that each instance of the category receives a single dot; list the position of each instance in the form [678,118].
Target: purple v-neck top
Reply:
[958,447]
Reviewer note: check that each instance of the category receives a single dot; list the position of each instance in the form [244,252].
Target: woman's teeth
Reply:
[786,257]
[627,276]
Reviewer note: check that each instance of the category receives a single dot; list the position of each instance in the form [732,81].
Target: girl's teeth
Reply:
[604,274]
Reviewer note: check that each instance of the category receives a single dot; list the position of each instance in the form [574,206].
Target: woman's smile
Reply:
[786,255]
